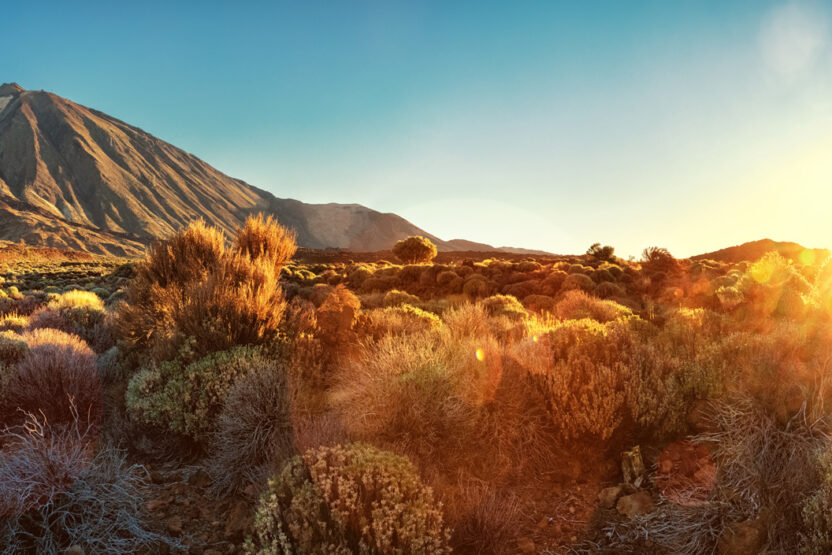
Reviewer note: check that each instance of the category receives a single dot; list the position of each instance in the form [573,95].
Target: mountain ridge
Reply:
[75,177]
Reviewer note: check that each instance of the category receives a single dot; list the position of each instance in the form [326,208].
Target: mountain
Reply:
[755,250]
[73,177]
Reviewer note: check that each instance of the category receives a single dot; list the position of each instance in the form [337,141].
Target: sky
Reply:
[690,125]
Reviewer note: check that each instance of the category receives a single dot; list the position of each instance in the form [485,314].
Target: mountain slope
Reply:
[754,250]
[74,177]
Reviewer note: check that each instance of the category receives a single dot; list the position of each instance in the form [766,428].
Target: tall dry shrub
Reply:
[192,285]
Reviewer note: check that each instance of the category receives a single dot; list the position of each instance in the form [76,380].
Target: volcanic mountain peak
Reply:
[7,89]
[74,177]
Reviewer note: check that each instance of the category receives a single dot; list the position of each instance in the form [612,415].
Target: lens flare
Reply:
[480,354]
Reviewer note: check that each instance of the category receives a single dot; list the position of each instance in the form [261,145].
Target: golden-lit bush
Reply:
[581,368]
[420,394]
[77,312]
[396,297]
[348,499]
[188,398]
[56,371]
[192,286]
[414,250]
[263,238]
[577,305]
[578,281]
[396,320]
[504,305]
[13,322]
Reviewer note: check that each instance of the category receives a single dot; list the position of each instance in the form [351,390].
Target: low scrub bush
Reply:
[504,305]
[56,493]
[56,370]
[254,433]
[187,398]
[350,499]
[576,305]
[578,281]
[396,320]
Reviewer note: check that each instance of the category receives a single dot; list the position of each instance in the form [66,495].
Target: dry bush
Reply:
[55,493]
[504,305]
[580,367]
[263,238]
[484,520]
[254,433]
[578,280]
[396,320]
[56,368]
[13,322]
[188,398]
[576,305]
[192,286]
[77,312]
[351,499]
[476,286]
[415,250]
[766,475]
[396,297]
[420,394]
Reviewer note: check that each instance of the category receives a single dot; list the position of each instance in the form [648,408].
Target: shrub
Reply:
[351,499]
[336,316]
[576,305]
[57,368]
[767,474]
[262,238]
[578,281]
[658,261]
[78,312]
[504,305]
[552,283]
[476,286]
[539,303]
[192,286]
[580,367]
[254,430]
[396,297]
[601,253]
[420,393]
[396,320]
[607,289]
[13,322]
[55,494]
[446,277]
[187,398]
[414,250]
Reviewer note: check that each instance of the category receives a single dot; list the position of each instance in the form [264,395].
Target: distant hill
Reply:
[73,177]
[755,250]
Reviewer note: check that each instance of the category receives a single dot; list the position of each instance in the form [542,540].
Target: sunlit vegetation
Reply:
[477,405]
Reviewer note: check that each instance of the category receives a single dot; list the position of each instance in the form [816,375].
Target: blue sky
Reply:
[688,125]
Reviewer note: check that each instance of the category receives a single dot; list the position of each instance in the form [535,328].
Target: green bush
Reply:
[188,398]
[348,499]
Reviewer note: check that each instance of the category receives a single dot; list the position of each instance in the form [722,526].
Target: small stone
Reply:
[156,477]
[156,505]
[175,525]
[199,479]
[608,496]
[237,521]
[635,504]
[742,538]
[75,550]
[526,545]
[212,552]
[250,491]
